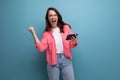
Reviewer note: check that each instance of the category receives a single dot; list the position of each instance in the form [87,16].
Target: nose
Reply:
[53,16]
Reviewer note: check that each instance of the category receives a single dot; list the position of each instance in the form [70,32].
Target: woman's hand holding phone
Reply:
[73,37]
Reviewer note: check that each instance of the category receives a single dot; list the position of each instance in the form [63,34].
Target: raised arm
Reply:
[31,29]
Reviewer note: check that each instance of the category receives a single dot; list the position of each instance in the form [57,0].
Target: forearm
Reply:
[36,40]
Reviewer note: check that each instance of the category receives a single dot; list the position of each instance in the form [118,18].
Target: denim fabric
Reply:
[64,66]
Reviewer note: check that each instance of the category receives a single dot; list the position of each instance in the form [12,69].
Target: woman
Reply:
[58,53]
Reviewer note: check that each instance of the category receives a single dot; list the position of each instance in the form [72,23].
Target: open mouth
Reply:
[53,21]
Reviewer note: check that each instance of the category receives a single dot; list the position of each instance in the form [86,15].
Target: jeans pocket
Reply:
[66,60]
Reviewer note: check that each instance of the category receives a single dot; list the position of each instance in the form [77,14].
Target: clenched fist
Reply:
[31,29]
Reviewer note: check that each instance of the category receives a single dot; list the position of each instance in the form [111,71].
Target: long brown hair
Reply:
[60,23]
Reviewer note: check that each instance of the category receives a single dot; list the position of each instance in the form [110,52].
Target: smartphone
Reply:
[70,36]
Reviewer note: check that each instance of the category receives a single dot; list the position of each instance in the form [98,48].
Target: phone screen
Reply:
[70,36]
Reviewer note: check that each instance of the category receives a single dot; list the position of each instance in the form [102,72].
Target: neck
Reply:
[54,27]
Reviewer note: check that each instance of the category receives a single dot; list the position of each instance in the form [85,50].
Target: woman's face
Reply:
[53,18]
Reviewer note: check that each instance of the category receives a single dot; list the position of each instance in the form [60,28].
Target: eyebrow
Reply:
[52,14]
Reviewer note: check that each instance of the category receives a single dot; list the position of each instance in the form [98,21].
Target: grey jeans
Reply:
[64,65]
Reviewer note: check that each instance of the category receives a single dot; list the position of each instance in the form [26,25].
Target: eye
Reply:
[55,14]
[50,15]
